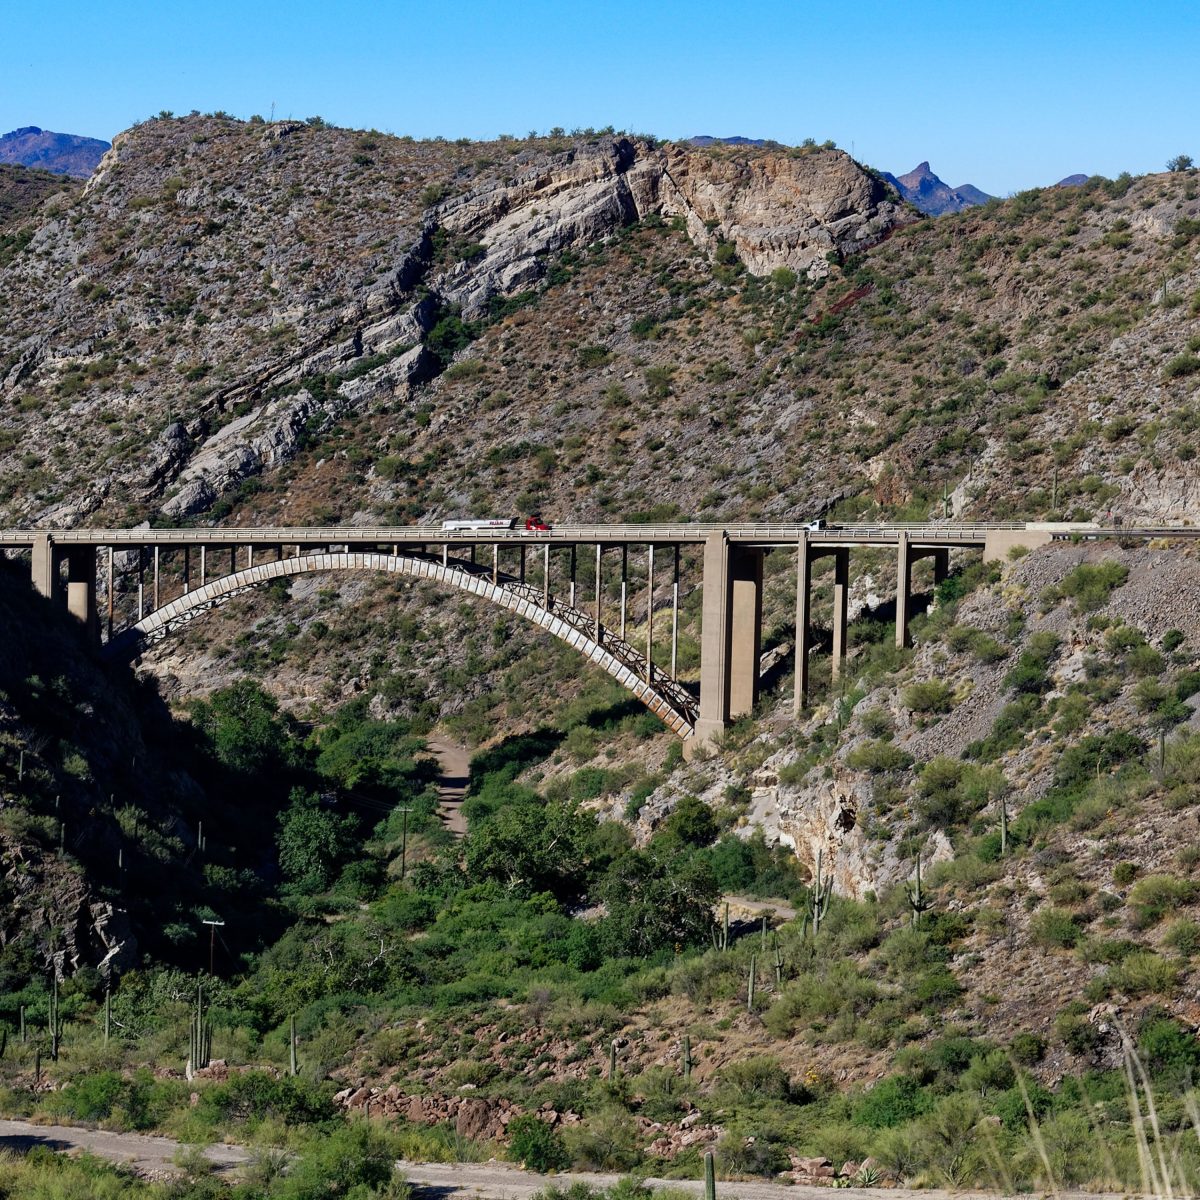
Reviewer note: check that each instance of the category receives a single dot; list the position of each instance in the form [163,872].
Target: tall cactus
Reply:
[720,937]
[710,1177]
[918,901]
[750,984]
[612,1059]
[293,1063]
[107,1014]
[778,963]
[687,1059]
[199,1035]
[1003,825]
[818,895]
[55,1021]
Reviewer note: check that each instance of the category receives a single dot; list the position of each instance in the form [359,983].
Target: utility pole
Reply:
[212,937]
[404,843]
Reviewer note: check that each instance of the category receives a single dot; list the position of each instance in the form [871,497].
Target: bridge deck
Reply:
[762,535]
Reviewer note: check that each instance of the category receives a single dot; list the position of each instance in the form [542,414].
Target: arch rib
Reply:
[661,694]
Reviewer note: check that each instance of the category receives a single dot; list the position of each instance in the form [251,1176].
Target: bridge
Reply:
[153,581]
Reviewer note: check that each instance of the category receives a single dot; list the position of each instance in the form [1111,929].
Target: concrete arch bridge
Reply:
[532,574]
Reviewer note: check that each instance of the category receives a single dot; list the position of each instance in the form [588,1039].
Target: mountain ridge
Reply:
[60,153]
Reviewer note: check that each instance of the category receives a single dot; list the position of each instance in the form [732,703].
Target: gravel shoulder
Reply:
[439,1181]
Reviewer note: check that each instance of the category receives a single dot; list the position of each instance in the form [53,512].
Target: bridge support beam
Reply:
[841,610]
[81,587]
[730,636]
[806,554]
[46,557]
[904,563]
[906,557]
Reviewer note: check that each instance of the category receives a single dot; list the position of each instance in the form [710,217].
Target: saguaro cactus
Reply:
[687,1059]
[612,1059]
[55,1021]
[750,984]
[819,892]
[918,901]
[778,963]
[293,1064]
[710,1177]
[199,1035]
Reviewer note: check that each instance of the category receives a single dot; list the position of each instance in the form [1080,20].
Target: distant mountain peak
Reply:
[61,153]
[704,139]
[924,190]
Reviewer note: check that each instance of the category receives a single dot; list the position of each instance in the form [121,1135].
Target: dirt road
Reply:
[455,764]
[443,1181]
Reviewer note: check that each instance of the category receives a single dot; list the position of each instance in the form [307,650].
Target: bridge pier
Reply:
[730,636]
[81,588]
[906,556]
[46,557]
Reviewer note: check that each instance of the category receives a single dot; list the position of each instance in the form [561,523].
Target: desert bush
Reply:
[928,696]
[1054,928]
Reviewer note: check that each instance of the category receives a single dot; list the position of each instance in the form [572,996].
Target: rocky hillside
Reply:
[60,153]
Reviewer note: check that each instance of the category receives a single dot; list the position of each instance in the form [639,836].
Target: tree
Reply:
[313,842]
[246,730]
[657,900]
[534,847]
[691,823]
[1181,162]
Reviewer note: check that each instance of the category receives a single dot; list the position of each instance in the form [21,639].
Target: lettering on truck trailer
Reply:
[480,523]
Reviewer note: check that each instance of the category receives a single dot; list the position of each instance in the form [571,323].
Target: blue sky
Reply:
[1002,95]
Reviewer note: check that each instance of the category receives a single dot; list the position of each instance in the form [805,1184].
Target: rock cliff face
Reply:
[352,270]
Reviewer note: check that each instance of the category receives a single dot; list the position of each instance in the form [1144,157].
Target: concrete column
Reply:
[715,637]
[841,597]
[803,622]
[903,588]
[81,587]
[45,565]
[675,619]
[649,612]
[941,566]
[546,576]
[624,584]
[599,592]
[746,574]
[110,593]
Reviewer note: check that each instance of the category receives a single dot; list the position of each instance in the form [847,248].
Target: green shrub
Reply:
[929,696]
[879,758]
[535,1145]
[1054,928]
[1155,895]
[892,1101]
[1183,936]
[1181,365]
[1143,973]
[1089,584]
[1028,1048]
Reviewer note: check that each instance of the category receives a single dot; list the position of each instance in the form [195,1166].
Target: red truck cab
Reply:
[535,524]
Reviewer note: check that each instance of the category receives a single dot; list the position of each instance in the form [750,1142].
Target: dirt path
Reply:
[442,1181]
[744,906]
[455,764]
[141,1151]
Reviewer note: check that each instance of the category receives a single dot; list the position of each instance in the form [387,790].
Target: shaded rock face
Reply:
[56,907]
[924,190]
[62,153]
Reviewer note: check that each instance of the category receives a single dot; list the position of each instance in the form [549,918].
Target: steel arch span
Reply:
[661,694]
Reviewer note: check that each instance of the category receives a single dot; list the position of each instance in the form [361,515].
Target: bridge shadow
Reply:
[509,757]
[23,1143]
